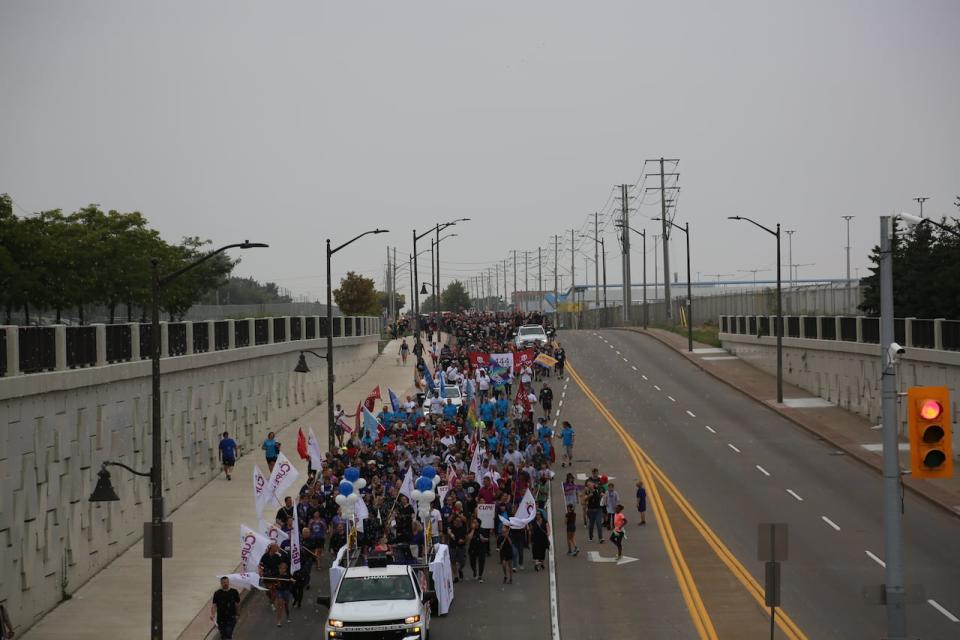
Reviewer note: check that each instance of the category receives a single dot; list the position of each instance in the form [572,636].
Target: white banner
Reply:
[486,514]
[253,546]
[337,570]
[260,495]
[406,488]
[501,364]
[249,580]
[272,531]
[313,449]
[526,511]
[442,491]
[283,476]
[475,462]
[442,574]
[361,513]
[295,543]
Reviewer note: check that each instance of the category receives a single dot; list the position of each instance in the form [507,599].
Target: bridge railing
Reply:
[28,350]
[918,333]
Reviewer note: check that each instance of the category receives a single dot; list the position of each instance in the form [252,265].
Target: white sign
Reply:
[442,491]
[486,513]
[442,574]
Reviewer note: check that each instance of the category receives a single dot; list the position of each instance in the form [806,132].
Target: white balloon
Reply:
[436,480]
[359,484]
[352,498]
[340,499]
[417,494]
[429,496]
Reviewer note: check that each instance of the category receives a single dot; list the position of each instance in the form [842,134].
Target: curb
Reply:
[907,482]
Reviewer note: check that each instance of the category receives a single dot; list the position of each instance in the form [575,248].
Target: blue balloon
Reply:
[352,474]
[346,487]
[423,484]
[428,472]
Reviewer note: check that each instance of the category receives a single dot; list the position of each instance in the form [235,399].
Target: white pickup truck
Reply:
[382,601]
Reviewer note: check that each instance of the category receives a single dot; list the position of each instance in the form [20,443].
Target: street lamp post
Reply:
[416,276]
[330,252]
[686,231]
[643,234]
[157,529]
[779,328]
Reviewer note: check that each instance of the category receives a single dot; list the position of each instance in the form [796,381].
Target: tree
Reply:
[926,273]
[238,290]
[357,296]
[455,297]
[384,300]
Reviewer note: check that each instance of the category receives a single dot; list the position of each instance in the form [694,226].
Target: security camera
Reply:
[894,352]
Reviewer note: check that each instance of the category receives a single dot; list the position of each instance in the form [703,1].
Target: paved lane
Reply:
[739,464]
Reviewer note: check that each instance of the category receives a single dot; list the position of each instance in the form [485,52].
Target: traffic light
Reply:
[929,424]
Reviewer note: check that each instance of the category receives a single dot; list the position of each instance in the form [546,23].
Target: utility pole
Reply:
[496,279]
[514,301]
[790,233]
[665,228]
[526,274]
[540,278]
[396,307]
[603,252]
[596,257]
[573,255]
[921,200]
[556,275]
[656,266]
[625,220]
[505,300]
[849,282]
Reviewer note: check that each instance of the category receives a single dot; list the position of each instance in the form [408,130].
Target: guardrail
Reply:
[26,350]
[939,334]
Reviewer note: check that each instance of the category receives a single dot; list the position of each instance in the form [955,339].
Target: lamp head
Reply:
[381,230]
[104,492]
[734,218]
[246,244]
[423,290]
[302,364]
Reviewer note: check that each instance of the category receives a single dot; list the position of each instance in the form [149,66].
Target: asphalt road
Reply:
[752,466]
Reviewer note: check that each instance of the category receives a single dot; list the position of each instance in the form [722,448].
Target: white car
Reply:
[379,601]
[530,334]
[450,390]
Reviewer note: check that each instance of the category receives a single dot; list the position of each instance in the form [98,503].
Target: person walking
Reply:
[571,519]
[539,540]
[594,511]
[223,608]
[228,453]
[619,520]
[567,436]
[479,548]
[546,399]
[613,501]
[404,351]
[505,547]
[271,449]
[642,502]
[284,593]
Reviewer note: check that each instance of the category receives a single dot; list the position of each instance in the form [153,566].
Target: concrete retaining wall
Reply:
[56,429]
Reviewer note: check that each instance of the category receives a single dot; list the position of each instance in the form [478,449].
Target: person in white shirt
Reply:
[526,375]
[436,404]
[483,383]
[409,405]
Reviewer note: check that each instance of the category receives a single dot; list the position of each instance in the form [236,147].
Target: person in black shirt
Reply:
[224,606]
[546,399]
[284,512]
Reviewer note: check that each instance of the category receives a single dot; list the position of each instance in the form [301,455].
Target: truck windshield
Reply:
[376,588]
[531,331]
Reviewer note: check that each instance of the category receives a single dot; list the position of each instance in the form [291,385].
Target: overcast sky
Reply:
[291,122]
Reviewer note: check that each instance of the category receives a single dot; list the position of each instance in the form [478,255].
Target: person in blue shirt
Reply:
[228,453]
[545,434]
[449,410]
[503,406]
[486,412]
[492,442]
[271,449]
[567,436]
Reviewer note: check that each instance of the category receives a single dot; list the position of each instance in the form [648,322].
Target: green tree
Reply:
[236,290]
[455,297]
[357,296]
[926,273]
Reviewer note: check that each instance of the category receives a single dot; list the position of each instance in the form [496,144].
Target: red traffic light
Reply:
[930,409]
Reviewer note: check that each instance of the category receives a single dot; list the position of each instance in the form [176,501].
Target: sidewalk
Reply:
[846,431]
[116,602]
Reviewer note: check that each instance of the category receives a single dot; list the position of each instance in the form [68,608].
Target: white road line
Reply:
[709,428]
[691,413]
[939,607]
[733,447]
[554,613]
[830,522]
[795,495]
[763,471]
[618,353]
[567,380]
[558,413]
[672,399]
[554,422]
[644,377]
[610,345]
[561,404]
[875,558]
[634,367]
[625,360]
[563,395]
[657,388]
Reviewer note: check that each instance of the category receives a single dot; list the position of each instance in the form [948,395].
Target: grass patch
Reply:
[707,334]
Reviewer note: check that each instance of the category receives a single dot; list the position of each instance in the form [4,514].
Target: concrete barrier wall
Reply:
[56,428]
[848,373]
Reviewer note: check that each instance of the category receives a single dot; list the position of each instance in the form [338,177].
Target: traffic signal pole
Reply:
[892,485]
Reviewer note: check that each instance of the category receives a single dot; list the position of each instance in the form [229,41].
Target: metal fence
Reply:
[916,333]
[35,349]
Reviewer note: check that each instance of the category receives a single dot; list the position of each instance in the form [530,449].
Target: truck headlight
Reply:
[412,619]
[335,623]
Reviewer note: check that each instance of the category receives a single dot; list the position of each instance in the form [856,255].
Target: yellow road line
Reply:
[786,624]
[688,587]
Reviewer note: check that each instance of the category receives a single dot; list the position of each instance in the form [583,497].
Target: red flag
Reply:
[302,445]
[373,396]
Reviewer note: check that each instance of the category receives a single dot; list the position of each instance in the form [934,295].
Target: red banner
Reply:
[479,359]
[523,358]
[374,395]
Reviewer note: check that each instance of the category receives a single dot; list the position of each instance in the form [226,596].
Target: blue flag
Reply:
[370,425]
[428,378]
[394,401]
[443,385]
